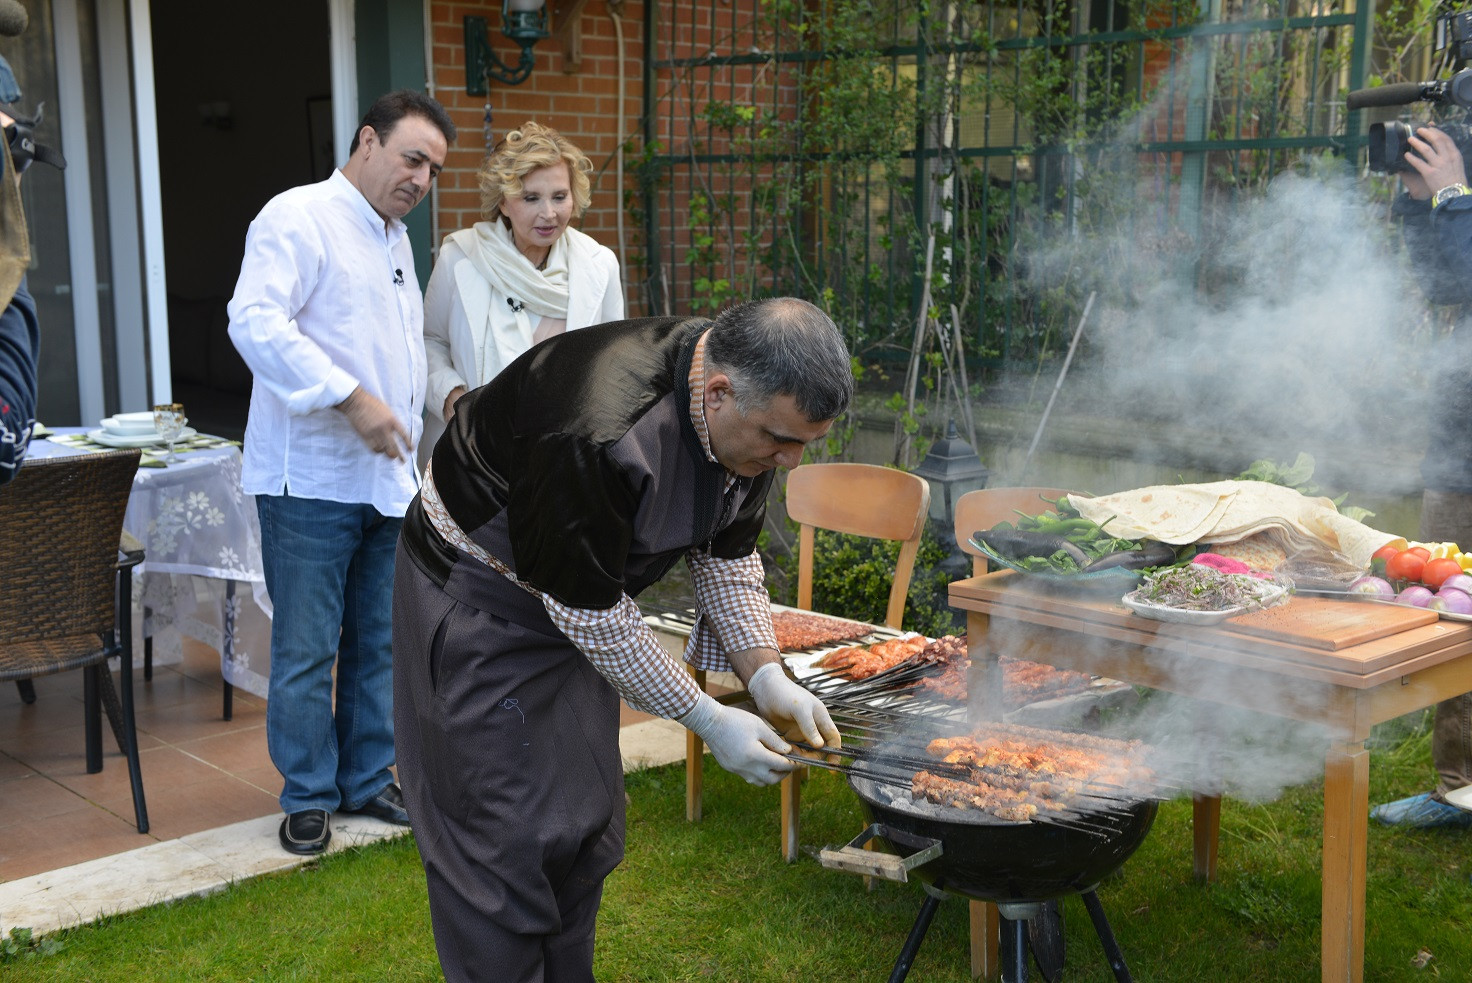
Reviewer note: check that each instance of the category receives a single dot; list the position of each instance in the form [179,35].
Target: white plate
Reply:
[123,427]
[146,440]
[1187,616]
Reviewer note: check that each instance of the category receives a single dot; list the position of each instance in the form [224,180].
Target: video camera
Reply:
[20,134]
[1389,140]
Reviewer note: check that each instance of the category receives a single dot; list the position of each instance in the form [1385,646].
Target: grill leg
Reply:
[1014,950]
[916,936]
[1106,937]
[1015,917]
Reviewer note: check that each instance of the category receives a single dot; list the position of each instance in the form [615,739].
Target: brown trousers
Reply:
[507,742]
[1447,516]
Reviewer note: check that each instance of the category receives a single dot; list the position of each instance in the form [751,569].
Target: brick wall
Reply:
[582,104]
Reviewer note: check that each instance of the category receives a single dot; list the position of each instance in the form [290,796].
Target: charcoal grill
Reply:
[1021,866]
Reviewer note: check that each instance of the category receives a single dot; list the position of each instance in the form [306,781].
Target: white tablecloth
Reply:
[202,574]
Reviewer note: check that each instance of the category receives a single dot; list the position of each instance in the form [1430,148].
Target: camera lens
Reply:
[1388,147]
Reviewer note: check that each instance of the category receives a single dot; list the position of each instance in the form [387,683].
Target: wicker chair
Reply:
[65,599]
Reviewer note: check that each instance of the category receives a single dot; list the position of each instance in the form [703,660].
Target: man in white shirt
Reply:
[328,315]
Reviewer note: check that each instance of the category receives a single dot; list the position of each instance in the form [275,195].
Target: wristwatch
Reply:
[1449,192]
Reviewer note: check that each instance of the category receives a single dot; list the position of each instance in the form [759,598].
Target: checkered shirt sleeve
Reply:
[734,612]
[625,652]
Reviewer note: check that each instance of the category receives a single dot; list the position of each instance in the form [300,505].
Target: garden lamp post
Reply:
[953,468]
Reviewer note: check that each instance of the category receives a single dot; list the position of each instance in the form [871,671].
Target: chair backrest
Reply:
[989,506]
[861,500]
[60,521]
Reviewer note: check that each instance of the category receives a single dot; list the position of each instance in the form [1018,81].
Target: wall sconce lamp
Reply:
[523,21]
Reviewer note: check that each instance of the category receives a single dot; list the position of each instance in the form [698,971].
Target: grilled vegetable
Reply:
[1150,554]
[1018,545]
[1064,542]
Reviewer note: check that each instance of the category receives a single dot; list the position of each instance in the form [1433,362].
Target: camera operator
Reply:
[1436,221]
[20,333]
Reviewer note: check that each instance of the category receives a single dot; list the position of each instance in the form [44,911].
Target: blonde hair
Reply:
[525,150]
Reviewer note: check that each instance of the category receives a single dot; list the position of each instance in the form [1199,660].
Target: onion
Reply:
[1415,595]
[1459,581]
[1452,601]
[1373,586]
[1225,564]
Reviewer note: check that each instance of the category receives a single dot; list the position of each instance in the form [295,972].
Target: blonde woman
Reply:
[517,278]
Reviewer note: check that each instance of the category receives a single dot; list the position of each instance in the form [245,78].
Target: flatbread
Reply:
[1175,514]
[1231,511]
[1259,551]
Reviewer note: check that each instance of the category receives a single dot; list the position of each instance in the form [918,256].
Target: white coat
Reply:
[458,336]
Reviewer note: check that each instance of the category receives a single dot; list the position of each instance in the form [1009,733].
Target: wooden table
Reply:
[1323,668]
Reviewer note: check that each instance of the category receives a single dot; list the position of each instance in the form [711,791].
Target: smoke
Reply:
[1286,319]
[1217,731]
[1289,319]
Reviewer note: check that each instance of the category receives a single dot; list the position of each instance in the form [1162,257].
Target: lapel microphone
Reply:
[398,278]
[516,306]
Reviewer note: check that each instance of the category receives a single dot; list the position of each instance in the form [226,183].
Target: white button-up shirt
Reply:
[327,301]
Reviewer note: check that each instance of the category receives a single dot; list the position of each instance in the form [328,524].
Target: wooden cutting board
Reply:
[1325,623]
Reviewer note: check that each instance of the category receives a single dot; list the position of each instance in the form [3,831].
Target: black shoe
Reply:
[305,832]
[387,805]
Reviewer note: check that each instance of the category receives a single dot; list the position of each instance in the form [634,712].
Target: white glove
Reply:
[792,709]
[742,742]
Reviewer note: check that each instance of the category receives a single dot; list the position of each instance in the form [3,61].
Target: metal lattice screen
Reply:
[839,149]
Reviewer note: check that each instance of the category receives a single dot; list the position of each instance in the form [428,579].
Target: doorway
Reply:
[244,113]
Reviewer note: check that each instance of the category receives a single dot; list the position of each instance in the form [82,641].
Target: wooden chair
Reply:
[65,597]
[860,500]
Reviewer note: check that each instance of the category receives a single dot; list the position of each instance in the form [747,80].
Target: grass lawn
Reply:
[713,901]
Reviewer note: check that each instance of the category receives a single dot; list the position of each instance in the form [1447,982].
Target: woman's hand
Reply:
[456,393]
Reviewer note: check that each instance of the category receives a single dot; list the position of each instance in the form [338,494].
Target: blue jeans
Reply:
[330,571]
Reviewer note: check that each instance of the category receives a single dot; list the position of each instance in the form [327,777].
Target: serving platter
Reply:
[1156,611]
[143,440]
[1112,579]
[804,663]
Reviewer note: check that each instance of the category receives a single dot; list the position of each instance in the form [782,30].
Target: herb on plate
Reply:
[1198,587]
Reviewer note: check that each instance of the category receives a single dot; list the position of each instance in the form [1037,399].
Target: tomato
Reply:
[1420,551]
[1405,565]
[1435,572]
[1380,557]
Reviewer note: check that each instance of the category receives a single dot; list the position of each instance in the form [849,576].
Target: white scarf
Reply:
[518,289]
[492,248]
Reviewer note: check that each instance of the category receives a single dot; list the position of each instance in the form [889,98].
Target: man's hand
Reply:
[376,424]
[455,394]
[742,742]
[791,709]
[1436,161]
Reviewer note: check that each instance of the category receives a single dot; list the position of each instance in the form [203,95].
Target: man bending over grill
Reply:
[561,490]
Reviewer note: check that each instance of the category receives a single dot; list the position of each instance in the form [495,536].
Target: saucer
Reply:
[142,440]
